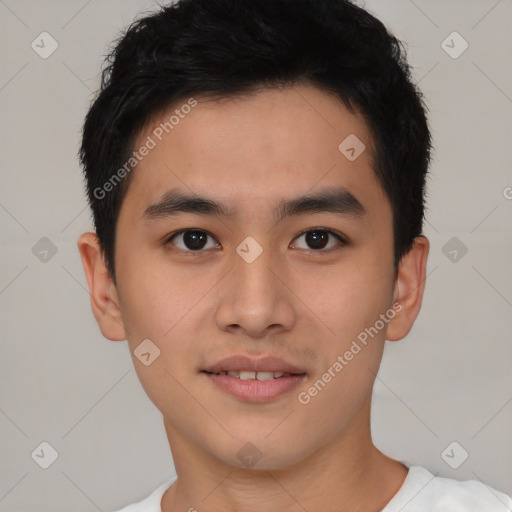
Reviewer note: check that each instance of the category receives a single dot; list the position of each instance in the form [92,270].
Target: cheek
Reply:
[347,298]
[158,305]
[165,304]
[156,295]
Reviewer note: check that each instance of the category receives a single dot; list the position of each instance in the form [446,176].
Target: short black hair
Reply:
[226,48]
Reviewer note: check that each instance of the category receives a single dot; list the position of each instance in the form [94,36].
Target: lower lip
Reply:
[255,390]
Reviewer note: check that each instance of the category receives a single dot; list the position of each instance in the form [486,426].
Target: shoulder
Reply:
[423,491]
[152,502]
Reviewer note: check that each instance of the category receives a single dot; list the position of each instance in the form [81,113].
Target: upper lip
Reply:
[244,363]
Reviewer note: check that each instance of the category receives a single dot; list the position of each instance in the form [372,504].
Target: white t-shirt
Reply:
[420,492]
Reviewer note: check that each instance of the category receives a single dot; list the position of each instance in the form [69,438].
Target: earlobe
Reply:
[102,292]
[409,288]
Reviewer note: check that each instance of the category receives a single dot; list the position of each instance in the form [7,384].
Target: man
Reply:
[256,172]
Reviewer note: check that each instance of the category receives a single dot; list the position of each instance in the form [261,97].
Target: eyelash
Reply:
[342,241]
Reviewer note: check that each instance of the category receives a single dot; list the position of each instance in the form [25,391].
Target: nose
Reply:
[255,300]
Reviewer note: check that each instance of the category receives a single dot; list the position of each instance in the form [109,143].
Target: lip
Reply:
[244,363]
[254,390]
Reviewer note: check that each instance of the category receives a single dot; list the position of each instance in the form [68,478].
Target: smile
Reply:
[255,387]
[261,376]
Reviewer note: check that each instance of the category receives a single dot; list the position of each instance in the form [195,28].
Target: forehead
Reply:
[267,145]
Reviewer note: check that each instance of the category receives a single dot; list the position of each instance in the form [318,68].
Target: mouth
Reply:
[244,366]
[254,380]
[260,376]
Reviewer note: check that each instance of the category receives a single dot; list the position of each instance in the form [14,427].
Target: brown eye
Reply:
[319,239]
[191,240]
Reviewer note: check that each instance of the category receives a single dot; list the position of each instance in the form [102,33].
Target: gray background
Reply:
[63,383]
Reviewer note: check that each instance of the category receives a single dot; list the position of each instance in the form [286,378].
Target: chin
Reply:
[257,453]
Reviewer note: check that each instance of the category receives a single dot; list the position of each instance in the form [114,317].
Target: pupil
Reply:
[194,239]
[316,239]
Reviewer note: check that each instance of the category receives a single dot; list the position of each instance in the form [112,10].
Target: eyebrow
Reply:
[334,200]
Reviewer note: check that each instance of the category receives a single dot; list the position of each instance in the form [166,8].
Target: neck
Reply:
[347,474]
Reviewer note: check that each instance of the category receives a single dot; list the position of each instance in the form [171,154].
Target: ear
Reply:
[102,290]
[409,287]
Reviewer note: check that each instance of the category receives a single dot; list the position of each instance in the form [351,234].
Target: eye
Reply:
[191,240]
[318,240]
[195,240]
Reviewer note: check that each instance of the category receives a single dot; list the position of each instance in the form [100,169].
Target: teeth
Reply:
[265,376]
[262,376]
[247,375]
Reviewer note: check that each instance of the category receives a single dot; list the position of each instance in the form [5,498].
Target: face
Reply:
[290,285]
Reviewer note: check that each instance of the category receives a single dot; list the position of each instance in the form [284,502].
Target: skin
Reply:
[292,302]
